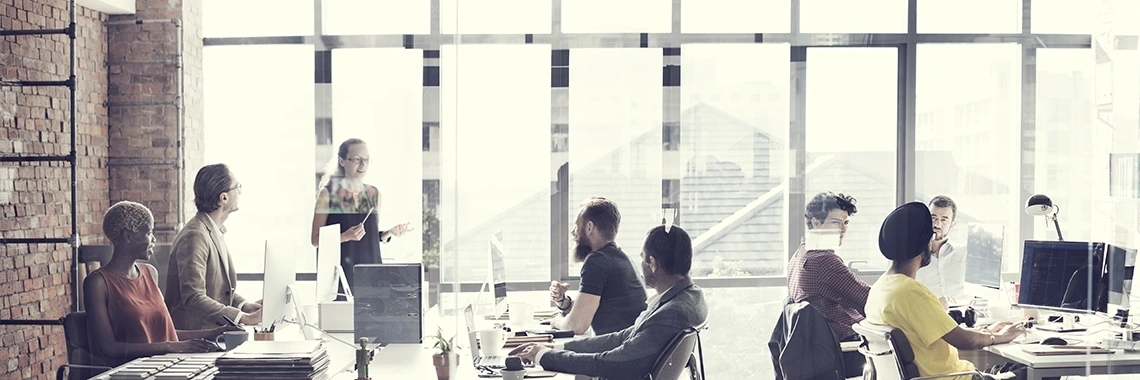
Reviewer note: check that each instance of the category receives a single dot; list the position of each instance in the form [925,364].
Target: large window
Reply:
[851,139]
[615,138]
[734,127]
[253,95]
[496,118]
[967,139]
[496,159]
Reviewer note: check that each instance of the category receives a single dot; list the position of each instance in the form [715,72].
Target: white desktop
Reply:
[334,316]
[279,299]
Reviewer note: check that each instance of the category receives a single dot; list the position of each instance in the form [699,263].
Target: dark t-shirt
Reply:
[610,274]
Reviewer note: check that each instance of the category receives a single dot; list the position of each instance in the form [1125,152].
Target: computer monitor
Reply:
[1122,264]
[497,267]
[984,244]
[328,263]
[280,273]
[1068,276]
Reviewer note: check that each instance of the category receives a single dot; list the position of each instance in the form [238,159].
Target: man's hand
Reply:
[529,352]
[252,318]
[558,292]
[1008,332]
[996,327]
[250,307]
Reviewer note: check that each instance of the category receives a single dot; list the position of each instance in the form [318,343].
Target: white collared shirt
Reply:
[946,274]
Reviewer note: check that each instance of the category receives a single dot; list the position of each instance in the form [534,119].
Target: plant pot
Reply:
[445,364]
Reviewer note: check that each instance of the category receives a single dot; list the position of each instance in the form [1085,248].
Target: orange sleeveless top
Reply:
[136,309]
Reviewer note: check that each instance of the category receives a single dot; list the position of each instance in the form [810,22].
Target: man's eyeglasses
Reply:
[360,160]
[238,188]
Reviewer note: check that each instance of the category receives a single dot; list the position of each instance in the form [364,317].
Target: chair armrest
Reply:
[948,375]
[59,371]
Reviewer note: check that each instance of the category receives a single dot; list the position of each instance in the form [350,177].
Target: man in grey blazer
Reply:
[630,353]
[201,280]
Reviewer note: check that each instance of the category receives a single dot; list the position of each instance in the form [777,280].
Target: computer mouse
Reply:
[1054,341]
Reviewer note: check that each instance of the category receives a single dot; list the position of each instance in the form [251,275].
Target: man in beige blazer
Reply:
[201,281]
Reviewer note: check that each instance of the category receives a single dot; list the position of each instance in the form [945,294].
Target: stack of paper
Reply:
[274,360]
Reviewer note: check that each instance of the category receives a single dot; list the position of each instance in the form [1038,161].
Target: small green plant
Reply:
[445,345]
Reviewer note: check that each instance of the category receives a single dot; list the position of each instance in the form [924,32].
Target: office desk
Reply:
[1069,365]
[414,361]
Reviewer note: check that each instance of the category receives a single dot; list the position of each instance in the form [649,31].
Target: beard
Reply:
[582,249]
[939,235]
[647,275]
[926,257]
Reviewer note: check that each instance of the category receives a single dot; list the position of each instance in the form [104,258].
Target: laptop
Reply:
[482,363]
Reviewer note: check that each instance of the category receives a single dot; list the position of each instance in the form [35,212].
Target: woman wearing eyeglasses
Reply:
[345,199]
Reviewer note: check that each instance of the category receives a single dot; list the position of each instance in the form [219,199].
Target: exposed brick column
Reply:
[148,114]
[35,199]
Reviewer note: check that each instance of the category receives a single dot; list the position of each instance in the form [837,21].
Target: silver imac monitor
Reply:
[498,267]
[328,262]
[280,273]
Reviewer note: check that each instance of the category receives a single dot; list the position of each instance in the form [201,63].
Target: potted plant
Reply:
[446,360]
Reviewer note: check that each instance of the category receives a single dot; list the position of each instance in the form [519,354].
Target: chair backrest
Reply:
[78,347]
[887,350]
[675,357]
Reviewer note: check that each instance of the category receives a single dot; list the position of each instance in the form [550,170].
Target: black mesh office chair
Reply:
[889,354]
[677,356]
[78,350]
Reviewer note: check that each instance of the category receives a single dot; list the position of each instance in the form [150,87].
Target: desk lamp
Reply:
[1038,205]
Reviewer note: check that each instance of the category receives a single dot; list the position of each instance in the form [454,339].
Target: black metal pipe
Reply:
[31,322]
[35,32]
[35,159]
[37,83]
[75,241]
[34,240]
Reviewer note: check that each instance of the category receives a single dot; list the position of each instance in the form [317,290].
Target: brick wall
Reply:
[35,198]
[144,106]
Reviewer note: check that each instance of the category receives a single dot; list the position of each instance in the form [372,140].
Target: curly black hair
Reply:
[824,202]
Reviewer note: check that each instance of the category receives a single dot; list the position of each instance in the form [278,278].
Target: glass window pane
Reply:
[968,123]
[384,108]
[969,16]
[852,113]
[262,95]
[344,17]
[257,18]
[1064,16]
[495,16]
[736,16]
[734,131]
[615,138]
[496,159]
[627,16]
[848,16]
[1069,163]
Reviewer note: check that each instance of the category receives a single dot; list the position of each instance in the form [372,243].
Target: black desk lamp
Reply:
[1039,205]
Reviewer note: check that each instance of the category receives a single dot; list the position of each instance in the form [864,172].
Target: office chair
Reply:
[889,354]
[78,349]
[676,357]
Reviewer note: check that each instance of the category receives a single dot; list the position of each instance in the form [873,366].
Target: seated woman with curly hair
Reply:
[126,316]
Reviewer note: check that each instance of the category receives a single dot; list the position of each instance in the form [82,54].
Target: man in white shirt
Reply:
[946,274]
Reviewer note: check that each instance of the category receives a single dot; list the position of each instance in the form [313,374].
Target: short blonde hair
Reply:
[125,218]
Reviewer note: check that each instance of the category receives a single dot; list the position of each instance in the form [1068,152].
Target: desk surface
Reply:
[413,361]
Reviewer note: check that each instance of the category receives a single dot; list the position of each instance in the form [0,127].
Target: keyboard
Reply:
[491,361]
[167,367]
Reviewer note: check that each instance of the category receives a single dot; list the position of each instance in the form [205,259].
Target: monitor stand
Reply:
[342,279]
[299,318]
[1068,324]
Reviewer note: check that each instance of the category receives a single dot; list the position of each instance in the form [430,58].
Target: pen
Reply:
[230,321]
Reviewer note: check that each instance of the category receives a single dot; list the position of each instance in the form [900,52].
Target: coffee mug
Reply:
[491,341]
[521,315]
[232,339]
[513,375]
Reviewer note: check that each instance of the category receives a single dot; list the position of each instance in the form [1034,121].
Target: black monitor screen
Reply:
[1064,275]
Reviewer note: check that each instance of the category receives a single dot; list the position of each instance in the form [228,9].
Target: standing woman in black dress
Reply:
[344,198]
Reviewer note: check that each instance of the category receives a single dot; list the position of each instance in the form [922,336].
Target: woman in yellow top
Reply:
[900,301]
